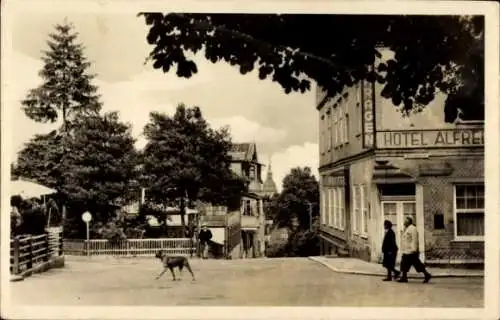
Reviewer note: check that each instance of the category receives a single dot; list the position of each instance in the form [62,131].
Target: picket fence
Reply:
[129,247]
[27,252]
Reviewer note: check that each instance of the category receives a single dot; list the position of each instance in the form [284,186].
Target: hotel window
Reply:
[337,207]
[333,203]
[336,126]
[341,125]
[359,100]
[364,199]
[360,211]
[322,141]
[342,212]
[323,212]
[329,131]
[346,127]
[331,210]
[355,210]
[340,208]
[469,212]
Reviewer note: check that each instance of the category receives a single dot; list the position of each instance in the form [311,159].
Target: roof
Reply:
[243,152]
[269,186]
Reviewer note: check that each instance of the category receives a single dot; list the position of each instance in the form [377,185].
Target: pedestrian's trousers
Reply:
[412,259]
[204,250]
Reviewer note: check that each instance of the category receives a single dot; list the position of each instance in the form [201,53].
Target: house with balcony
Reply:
[377,165]
[242,233]
[245,163]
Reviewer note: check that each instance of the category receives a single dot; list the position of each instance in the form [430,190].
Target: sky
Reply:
[284,127]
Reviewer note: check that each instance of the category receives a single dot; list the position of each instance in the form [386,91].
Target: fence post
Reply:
[61,244]
[29,264]
[16,255]
[87,249]
[48,252]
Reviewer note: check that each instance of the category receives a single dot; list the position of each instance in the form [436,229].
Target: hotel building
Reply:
[377,165]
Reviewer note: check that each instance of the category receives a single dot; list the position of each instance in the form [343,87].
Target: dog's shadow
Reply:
[174,284]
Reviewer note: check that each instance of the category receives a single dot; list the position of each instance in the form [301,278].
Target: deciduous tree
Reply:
[431,53]
[94,171]
[100,166]
[300,194]
[185,160]
[40,160]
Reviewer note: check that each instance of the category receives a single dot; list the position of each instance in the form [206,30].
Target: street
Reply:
[258,282]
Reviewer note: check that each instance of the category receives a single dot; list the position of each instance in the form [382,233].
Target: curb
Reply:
[381,274]
[16,278]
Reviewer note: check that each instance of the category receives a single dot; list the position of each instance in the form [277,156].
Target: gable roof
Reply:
[243,152]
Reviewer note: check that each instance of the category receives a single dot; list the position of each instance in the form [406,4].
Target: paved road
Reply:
[260,282]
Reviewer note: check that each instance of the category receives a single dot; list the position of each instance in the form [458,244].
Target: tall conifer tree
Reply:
[66,90]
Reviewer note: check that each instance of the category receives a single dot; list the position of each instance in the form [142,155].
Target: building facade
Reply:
[377,165]
[269,188]
[242,233]
[245,163]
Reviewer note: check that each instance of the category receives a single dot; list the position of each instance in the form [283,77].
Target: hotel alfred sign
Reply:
[413,139]
[368,119]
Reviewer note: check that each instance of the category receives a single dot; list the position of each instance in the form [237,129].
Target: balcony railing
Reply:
[249,222]
[214,221]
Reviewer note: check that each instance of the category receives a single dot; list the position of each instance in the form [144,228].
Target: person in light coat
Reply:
[410,253]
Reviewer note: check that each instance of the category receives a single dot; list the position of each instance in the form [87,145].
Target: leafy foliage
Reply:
[33,219]
[431,53]
[40,160]
[270,205]
[303,243]
[100,166]
[186,159]
[92,172]
[66,90]
[300,189]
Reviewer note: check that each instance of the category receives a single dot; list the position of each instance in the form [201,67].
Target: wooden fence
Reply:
[27,252]
[129,247]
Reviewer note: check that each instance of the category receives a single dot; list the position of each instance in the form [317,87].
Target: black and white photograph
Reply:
[327,158]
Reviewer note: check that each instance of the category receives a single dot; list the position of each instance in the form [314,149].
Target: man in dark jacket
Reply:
[204,238]
[390,251]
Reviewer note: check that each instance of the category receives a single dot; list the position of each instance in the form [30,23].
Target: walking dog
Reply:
[172,262]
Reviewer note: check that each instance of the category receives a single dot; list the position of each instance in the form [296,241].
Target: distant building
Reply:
[376,165]
[243,232]
[269,187]
[245,163]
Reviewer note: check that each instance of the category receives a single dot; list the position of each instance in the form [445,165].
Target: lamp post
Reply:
[87,217]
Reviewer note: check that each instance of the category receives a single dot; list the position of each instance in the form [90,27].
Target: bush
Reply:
[276,250]
[33,221]
[303,243]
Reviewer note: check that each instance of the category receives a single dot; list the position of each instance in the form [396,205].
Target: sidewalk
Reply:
[361,267]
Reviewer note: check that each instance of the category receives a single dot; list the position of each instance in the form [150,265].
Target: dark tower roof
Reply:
[269,185]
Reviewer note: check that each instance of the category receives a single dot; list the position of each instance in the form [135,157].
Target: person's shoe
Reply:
[403,280]
[387,279]
[427,278]
[397,274]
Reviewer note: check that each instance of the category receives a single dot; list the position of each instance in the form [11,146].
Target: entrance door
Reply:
[396,211]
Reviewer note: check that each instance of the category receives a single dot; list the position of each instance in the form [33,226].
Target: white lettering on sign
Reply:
[430,138]
[368,115]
